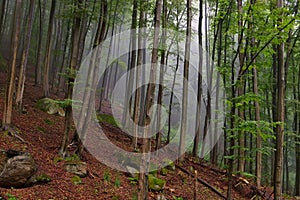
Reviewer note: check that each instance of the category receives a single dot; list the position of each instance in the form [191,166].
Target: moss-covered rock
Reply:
[50,106]
[156,184]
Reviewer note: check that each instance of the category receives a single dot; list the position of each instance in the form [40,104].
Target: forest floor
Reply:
[43,139]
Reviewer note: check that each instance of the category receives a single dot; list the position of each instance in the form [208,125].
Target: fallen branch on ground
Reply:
[202,182]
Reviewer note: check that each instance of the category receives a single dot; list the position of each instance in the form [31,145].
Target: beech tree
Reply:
[22,74]
[252,45]
[183,128]
[48,50]
[8,103]
[146,146]
[280,115]
[71,75]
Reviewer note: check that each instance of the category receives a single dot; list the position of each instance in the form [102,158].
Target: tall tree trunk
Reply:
[2,17]
[86,110]
[146,146]
[258,162]
[6,20]
[280,116]
[22,74]
[8,103]
[56,59]
[62,67]
[214,152]
[241,141]
[71,76]
[297,138]
[48,50]
[161,74]
[172,99]
[140,58]
[183,128]
[178,20]
[84,27]
[38,66]
[107,72]
[199,92]
[131,65]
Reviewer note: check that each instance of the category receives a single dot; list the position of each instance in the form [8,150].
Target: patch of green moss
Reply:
[169,164]
[57,159]
[49,122]
[43,178]
[40,129]
[156,184]
[76,180]
[105,118]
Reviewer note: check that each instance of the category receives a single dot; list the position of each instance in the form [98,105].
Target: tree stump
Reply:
[17,169]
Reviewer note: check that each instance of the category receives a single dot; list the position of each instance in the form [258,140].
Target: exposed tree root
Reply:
[14,132]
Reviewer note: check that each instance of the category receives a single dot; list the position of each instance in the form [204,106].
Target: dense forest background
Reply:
[248,59]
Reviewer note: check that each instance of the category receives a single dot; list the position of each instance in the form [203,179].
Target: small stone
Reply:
[77,168]
[132,171]
[161,197]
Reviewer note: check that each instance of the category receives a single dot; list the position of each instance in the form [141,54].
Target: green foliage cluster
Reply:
[43,178]
[11,197]
[109,119]
[49,122]
[155,184]
[76,180]
[72,158]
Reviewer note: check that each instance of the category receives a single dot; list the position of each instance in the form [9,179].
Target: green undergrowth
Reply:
[108,119]
[70,159]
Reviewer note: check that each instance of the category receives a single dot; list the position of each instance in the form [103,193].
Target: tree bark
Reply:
[38,66]
[22,74]
[8,103]
[280,116]
[297,139]
[146,146]
[140,58]
[183,128]
[199,92]
[2,17]
[48,50]
[71,76]
[161,74]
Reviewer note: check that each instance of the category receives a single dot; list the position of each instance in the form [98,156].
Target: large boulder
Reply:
[50,106]
[17,169]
